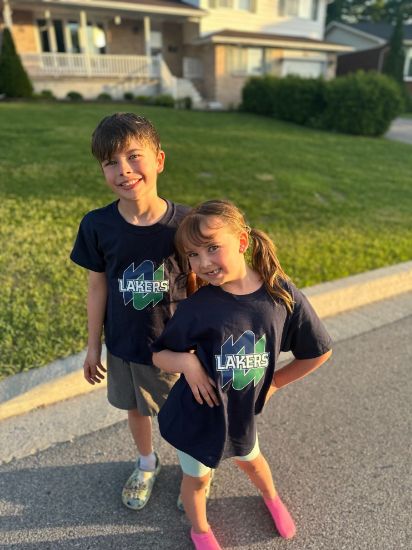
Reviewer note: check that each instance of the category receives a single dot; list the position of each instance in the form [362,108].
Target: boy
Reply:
[135,282]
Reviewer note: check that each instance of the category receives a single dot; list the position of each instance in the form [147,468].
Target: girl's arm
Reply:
[295,370]
[188,364]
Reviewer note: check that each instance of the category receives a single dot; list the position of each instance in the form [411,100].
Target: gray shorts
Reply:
[136,386]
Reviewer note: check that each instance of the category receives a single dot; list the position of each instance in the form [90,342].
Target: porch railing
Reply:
[77,64]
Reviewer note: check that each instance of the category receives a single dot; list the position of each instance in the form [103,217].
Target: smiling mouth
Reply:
[130,184]
[214,272]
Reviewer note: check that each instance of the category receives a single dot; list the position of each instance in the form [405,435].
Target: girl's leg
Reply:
[193,492]
[259,473]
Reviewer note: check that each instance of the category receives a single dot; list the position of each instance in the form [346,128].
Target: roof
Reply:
[176,7]
[160,3]
[380,30]
[228,36]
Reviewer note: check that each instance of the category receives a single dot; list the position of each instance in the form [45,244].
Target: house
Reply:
[205,49]
[370,42]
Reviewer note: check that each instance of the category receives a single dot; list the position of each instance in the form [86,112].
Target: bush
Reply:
[142,99]
[128,96]
[164,100]
[362,103]
[14,81]
[74,96]
[47,94]
[184,103]
[104,96]
[258,95]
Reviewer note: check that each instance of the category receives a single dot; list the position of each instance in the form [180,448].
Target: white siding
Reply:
[265,19]
[340,36]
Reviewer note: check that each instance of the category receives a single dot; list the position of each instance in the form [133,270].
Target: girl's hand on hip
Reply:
[202,386]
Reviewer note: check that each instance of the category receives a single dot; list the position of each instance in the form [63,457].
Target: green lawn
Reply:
[335,205]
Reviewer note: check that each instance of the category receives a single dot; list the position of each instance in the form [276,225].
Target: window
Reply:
[58,32]
[214,4]
[245,5]
[96,38]
[73,29]
[315,9]
[408,64]
[244,61]
[44,35]
[288,8]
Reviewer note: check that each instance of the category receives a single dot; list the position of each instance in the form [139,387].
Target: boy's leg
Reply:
[260,475]
[141,429]
[141,390]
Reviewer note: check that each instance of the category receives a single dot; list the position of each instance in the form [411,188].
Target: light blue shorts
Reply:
[192,467]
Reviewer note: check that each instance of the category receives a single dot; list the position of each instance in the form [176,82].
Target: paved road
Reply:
[401,130]
[337,442]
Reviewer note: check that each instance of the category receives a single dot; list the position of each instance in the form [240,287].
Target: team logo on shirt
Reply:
[143,285]
[242,362]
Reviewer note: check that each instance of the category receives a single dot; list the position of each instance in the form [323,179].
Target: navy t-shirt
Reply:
[144,276]
[237,339]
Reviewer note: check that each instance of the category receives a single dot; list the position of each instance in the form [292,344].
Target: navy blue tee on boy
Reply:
[144,277]
[237,340]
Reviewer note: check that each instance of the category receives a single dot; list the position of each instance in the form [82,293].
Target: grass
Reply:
[335,205]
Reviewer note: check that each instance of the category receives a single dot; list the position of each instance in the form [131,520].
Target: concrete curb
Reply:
[63,379]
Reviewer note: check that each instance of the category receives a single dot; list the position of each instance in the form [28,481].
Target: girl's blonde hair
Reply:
[263,257]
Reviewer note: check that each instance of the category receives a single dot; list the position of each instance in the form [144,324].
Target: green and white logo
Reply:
[242,362]
[144,285]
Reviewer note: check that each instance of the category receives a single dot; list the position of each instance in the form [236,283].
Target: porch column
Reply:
[146,27]
[50,31]
[7,14]
[84,43]
[83,32]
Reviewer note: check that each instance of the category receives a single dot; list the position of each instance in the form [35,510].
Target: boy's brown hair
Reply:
[115,131]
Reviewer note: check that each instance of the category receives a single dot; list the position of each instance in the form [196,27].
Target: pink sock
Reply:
[205,541]
[283,521]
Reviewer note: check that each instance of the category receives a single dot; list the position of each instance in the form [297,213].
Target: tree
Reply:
[355,11]
[349,11]
[395,59]
[14,81]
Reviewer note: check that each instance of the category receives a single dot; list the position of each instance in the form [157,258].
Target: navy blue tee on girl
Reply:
[237,339]
[144,275]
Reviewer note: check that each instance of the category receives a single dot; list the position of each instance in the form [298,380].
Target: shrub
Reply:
[14,81]
[362,103]
[74,96]
[104,96]
[128,96]
[142,99]
[164,100]
[47,94]
[258,95]
[184,103]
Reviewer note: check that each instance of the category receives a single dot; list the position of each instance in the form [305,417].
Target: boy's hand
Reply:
[200,383]
[93,367]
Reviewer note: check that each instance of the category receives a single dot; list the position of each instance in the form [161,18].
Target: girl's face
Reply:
[220,260]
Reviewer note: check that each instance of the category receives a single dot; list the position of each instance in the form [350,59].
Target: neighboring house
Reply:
[370,41]
[205,49]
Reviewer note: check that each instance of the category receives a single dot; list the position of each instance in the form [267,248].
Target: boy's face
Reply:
[131,173]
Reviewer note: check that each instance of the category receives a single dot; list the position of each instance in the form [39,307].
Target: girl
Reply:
[225,340]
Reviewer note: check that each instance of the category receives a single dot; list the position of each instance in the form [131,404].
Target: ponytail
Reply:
[266,263]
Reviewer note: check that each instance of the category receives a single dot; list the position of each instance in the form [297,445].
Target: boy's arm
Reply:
[187,363]
[96,307]
[295,370]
